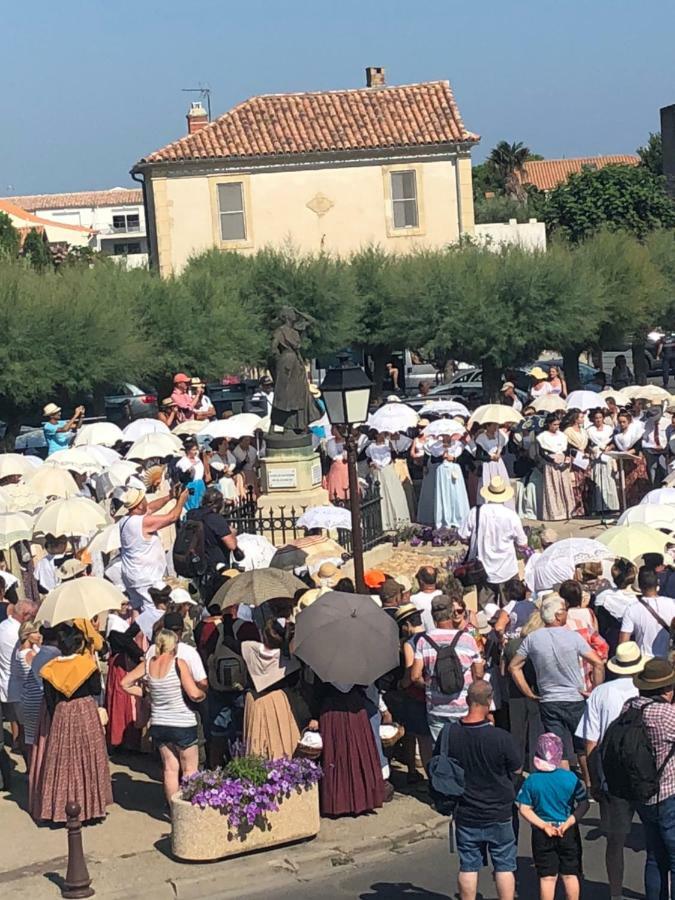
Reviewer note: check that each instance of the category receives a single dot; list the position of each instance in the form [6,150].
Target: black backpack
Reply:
[628,759]
[226,668]
[448,668]
[189,558]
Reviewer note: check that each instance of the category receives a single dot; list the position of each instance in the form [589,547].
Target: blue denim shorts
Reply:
[181,737]
[474,844]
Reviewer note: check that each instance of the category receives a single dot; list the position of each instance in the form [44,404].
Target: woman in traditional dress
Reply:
[572,427]
[490,447]
[400,449]
[628,439]
[452,502]
[426,454]
[75,759]
[270,727]
[247,463]
[557,494]
[352,782]
[124,720]
[540,383]
[394,504]
[229,482]
[557,381]
[337,480]
[603,468]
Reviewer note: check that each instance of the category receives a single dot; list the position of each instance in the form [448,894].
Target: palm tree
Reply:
[508,162]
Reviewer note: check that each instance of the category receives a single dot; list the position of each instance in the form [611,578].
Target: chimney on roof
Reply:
[197,117]
[375,76]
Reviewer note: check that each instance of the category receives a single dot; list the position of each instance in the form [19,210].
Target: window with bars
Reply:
[404,199]
[231,211]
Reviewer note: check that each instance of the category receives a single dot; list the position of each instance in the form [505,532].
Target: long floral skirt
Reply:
[557,494]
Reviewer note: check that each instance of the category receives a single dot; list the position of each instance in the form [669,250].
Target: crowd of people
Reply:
[506,693]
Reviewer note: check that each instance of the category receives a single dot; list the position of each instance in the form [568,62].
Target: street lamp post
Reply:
[346,392]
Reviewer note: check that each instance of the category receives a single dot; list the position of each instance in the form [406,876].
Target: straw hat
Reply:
[310,596]
[403,613]
[506,386]
[132,497]
[167,402]
[328,574]
[51,409]
[70,569]
[657,673]
[497,491]
[627,660]
[538,373]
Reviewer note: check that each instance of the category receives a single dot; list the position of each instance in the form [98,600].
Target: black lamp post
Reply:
[346,392]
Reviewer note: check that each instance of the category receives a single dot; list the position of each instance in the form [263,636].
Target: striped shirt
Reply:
[167,704]
[438,703]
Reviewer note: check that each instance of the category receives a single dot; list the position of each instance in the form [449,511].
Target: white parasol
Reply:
[659,496]
[74,517]
[646,392]
[105,455]
[15,526]
[619,397]
[115,476]
[20,498]
[633,541]
[393,417]
[14,464]
[104,434]
[556,564]
[53,481]
[325,517]
[496,413]
[241,425]
[444,426]
[76,459]
[107,540]
[655,515]
[155,445]
[257,550]
[448,408]
[189,427]
[79,598]
[141,427]
[584,400]
[549,403]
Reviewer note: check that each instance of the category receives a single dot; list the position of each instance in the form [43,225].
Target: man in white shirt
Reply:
[655,445]
[45,570]
[602,708]
[648,621]
[204,408]
[510,397]
[264,396]
[493,531]
[427,577]
[23,611]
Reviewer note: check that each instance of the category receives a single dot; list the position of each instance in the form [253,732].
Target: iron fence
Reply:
[280,525]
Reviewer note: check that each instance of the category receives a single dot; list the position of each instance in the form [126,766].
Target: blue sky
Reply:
[90,86]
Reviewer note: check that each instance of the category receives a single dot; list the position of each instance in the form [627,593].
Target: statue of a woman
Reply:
[293,408]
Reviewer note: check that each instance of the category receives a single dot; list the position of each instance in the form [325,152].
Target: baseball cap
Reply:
[180,595]
[173,621]
[374,579]
[390,589]
[181,376]
[506,386]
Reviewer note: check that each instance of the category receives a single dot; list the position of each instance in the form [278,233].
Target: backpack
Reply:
[189,558]
[448,668]
[446,776]
[628,759]
[226,668]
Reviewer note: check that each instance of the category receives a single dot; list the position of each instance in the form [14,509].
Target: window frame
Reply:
[231,243]
[402,202]
[394,231]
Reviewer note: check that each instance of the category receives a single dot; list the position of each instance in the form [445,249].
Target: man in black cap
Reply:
[391,594]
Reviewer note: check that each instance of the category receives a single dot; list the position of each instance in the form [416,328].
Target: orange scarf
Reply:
[67,674]
[94,639]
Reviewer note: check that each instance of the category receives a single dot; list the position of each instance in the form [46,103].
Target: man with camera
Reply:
[58,432]
[186,403]
[220,540]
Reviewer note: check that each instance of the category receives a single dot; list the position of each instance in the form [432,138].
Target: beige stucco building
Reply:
[333,171]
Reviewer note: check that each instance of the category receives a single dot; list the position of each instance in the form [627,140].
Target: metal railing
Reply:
[280,525]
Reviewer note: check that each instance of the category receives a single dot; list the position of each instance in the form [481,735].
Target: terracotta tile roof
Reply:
[12,209]
[547,174]
[412,115]
[112,197]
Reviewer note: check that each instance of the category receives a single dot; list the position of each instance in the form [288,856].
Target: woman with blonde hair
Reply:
[173,725]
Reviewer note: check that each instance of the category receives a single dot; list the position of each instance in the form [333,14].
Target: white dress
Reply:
[496,466]
[603,469]
[393,501]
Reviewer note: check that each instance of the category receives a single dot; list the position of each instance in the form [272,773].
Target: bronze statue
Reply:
[293,408]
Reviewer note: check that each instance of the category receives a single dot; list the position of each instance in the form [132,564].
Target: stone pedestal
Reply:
[290,473]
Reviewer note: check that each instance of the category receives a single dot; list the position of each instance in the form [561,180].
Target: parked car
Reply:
[467,385]
[126,402]
[235,397]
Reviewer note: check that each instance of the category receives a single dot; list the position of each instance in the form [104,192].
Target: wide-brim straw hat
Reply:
[132,497]
[627,660]
[497,491]
[657,673]
[327,574]
[538,373]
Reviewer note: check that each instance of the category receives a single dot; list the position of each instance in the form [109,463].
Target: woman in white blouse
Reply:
[603,467]
[451,506]
[337,480]
[557,500]
[490,447]
[394,504]
[628,439]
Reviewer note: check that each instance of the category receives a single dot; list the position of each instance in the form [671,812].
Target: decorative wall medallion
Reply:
[320,204]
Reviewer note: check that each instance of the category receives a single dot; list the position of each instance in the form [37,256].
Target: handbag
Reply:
[446,776]
[472,572]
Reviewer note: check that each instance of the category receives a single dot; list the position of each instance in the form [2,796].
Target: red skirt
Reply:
[76,763]
[121,730]
[352,776]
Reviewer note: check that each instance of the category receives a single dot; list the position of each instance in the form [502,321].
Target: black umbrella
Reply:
[346,638]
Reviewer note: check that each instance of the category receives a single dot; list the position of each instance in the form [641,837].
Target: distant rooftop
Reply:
[113,197]
[547,174]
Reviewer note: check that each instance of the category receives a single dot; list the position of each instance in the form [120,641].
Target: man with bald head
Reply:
[427,577]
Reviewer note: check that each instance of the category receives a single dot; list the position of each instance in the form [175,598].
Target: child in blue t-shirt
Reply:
[554,801]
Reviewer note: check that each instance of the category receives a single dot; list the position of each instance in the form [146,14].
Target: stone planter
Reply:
[203,834]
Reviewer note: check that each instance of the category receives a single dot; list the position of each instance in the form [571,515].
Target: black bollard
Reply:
[78,882]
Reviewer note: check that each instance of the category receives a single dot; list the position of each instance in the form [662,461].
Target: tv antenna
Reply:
[204,92]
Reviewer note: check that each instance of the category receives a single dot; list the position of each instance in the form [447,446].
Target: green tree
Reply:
[651,155]
[10,241]
[36,250]
[618,198]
